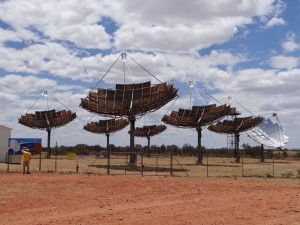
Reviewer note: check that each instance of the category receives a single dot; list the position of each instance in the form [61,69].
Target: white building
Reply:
[5,134]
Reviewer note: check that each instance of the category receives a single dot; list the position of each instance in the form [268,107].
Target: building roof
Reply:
[2,126]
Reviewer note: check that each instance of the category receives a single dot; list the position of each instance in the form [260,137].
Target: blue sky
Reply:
[248,50]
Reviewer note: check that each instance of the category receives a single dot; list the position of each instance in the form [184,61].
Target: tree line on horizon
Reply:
[185,150]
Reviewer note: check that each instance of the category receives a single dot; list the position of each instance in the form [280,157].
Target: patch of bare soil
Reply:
[45,198]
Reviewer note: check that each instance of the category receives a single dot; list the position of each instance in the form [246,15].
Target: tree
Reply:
[163,149]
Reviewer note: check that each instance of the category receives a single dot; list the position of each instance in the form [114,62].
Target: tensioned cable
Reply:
[268,138]
[46,100]
[172,105]
[262,134]
[177,96]
[190,98]
[124,72]
[158,121]
[195,85]
[240,125]
[197,93]
[201,115]
[244,107]
[144,69]
[208,93]
[277,118]
[107,71]
[60,102]
[33,104]
[91,118]
[129,72]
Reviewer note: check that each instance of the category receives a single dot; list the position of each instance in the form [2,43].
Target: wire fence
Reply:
[161,165]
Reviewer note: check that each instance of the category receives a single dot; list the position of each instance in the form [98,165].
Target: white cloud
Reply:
[275,21]
[263,92]
[163,36]
[51,57]
[143,26]
[8,35]
[32,86]
[284,62]
[74,21]
[272,18]
[289,44]
[207,23]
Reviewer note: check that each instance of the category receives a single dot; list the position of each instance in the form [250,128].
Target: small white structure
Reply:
[5,134]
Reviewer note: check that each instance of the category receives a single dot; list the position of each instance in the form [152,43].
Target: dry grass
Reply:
[281,169]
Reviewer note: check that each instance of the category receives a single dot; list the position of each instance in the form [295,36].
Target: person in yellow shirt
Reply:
[26,159]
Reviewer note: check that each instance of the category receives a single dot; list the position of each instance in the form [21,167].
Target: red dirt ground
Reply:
[45,198]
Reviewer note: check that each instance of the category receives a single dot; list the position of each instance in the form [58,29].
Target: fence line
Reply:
[161,165]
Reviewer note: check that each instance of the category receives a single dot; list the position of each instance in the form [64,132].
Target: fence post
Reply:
[207,165]
[156,168]
[7,154]
[142,162]
[171,162]
[40,161]
[77,167]
[108,153]
[273,167]
[126,162]
[55,169]
[242,164]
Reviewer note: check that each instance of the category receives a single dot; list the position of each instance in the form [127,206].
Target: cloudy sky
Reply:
[245,49]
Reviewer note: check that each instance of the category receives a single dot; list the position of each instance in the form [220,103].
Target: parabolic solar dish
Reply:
[269,134]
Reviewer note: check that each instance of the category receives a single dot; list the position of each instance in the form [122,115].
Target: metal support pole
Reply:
[207,165]
[40,161]
[55,168]
[273,166]
[126,163]
[199,150]
[156,164]
[48,146]
[108,153]
[236,149]
[171,162]
[133,157]
[7,154]
[142,162]
[55,157]
[262,158]
[235,146]
[148,138]
[242,165]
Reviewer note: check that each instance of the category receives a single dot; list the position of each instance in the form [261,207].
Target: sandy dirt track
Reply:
[45,198]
